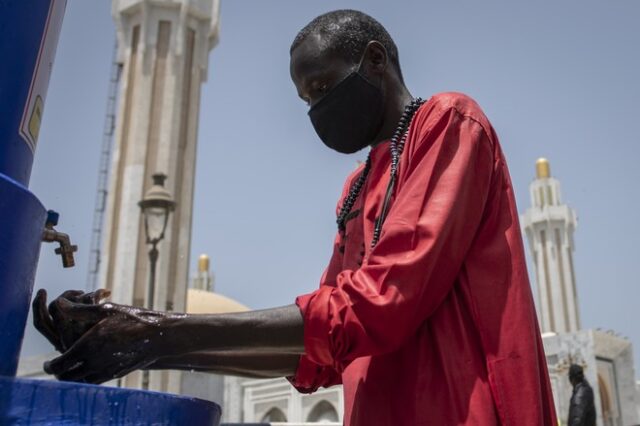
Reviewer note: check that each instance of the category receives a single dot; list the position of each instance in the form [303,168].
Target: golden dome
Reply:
[543,170]
[203,263]
[207,302]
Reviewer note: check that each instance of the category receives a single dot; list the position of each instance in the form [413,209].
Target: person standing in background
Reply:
[582,410]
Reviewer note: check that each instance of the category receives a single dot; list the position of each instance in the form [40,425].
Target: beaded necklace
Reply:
[396,146]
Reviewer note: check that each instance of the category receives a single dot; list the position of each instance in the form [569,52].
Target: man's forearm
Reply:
[274,331]
[262,365]
[138,338]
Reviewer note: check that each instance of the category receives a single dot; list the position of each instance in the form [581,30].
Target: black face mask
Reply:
[350,115]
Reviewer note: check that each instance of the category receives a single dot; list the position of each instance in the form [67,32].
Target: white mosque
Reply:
[151,126]
[607,358]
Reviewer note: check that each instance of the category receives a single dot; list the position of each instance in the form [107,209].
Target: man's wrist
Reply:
[186,333]
[171,335]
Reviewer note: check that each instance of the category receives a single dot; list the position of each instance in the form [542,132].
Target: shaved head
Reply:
[347,32]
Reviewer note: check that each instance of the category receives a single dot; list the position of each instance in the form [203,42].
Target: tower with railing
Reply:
[549,225]
[163,51]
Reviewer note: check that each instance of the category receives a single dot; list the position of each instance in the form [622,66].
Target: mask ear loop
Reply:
[379,86]
[362,58]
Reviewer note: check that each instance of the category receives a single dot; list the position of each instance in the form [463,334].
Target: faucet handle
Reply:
[52,218]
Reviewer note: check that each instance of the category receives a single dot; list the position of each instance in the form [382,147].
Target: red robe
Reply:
[436,325]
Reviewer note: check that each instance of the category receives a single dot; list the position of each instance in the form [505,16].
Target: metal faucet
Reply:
[50,235]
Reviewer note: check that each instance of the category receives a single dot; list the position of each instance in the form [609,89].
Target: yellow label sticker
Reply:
[36,97]
[36,118]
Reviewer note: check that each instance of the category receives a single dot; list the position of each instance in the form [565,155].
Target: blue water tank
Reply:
[28,38]
[22,219]
[29,34]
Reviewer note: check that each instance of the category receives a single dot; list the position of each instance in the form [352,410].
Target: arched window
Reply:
[274,415]
[605,402]
[323,412]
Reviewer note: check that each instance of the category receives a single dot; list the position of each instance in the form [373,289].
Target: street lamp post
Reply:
[156,207]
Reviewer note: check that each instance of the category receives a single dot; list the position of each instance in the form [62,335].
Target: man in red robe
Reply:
[425,312]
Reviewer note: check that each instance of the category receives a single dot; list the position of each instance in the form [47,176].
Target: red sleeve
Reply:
[310,376]
[431,225]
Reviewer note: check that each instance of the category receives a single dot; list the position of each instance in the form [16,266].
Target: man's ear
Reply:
[375,58]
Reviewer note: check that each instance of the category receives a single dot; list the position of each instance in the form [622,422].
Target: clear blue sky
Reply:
[557,79]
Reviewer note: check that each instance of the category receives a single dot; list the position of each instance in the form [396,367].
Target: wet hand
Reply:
[123,339]
[60,330]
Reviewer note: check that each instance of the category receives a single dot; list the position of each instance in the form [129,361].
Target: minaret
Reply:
[549,226]
[204,278]
[163,46]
